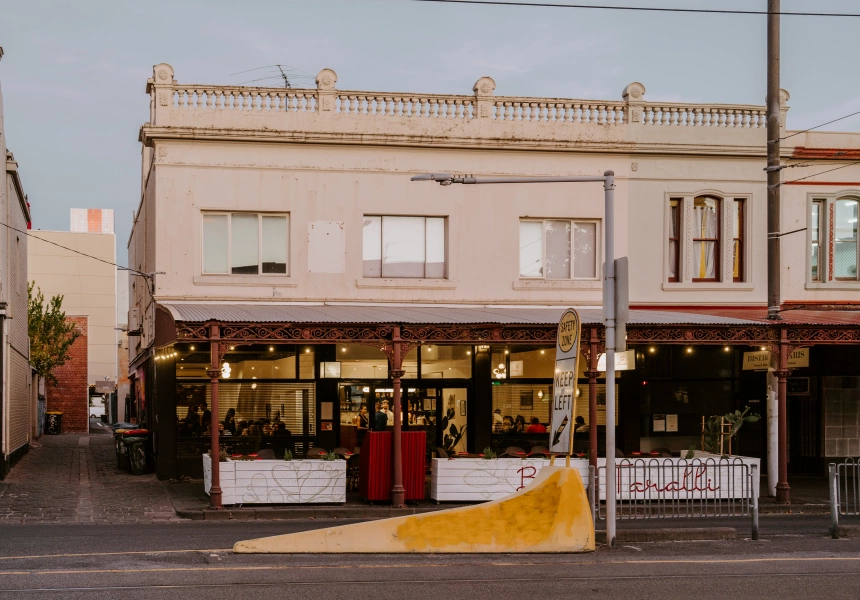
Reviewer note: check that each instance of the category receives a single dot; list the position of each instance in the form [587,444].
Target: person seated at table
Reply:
[508,424]
[230,421]
[282,439]
[191,421]
[579,425]
[519,424]
[497,420]
[267,427]
[242,428]
[255,436]
[535,426]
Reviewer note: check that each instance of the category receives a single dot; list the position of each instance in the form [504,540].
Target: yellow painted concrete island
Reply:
[550,515]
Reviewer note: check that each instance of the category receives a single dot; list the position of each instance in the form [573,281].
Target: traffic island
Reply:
[550,515]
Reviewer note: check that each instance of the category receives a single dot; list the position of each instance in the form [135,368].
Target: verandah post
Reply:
[215,372]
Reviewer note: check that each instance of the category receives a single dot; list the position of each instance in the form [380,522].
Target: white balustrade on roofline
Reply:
[632,109]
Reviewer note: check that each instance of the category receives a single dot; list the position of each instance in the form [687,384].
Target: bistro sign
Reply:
[761,361]
[564,384]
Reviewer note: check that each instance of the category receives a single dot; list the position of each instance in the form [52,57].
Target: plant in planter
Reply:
[288,455]
[489,454]
[713,431]
[329,456]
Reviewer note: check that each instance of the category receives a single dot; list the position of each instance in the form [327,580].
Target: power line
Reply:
[107,262]
[643,8]
[821,173]
[817,126]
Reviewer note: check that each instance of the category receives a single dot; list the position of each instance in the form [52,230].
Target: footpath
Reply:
[73,479]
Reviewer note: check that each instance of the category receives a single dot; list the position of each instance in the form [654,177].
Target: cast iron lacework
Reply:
[754,335]
[480,334]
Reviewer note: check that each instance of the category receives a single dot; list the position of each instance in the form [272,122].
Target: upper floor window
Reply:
[405,247]
[833,254]
[704,233]
[245,243]
[706,238]
[558,249]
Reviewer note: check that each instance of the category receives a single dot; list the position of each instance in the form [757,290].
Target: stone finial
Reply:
[484,86]
[784,97]
[326,79]
[162,74]
[634,92]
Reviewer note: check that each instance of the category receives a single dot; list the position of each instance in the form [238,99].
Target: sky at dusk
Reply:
[74,73]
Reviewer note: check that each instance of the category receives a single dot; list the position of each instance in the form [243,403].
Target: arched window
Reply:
[845,239]
[706,238]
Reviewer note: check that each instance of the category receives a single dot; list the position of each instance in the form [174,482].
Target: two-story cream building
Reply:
[286,220]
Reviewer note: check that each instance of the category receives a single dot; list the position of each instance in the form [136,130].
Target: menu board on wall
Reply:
[671,423]
[658,423]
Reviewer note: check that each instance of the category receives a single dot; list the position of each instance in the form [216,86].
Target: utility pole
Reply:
[773,166]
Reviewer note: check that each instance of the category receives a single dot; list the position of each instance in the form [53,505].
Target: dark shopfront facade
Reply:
[317,369]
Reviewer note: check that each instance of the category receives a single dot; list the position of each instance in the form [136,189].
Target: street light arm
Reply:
[447,179]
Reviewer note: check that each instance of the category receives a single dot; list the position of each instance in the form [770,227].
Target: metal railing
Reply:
[844,492]
[672,488]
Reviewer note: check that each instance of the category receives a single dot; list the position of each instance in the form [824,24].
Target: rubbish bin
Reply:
[121,442]
[121,450]
[137,454]
[53,422]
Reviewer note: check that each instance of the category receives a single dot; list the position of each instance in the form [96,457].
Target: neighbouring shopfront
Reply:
[469,385]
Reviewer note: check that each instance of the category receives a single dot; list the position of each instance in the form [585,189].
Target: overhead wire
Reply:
[644,8]
[35,237]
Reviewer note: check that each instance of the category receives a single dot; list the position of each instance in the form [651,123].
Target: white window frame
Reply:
[685,246]
[598,246]
[259,215]
[828,201]
[382,275]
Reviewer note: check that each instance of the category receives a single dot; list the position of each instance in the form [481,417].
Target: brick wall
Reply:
[70,394]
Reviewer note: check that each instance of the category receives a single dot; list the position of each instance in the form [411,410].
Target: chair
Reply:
[663,452]
[316,452]
[619,453]
[514,452]
[344,453]
[538,451]
[266,454]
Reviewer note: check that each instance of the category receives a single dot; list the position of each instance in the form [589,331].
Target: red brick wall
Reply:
[70,394]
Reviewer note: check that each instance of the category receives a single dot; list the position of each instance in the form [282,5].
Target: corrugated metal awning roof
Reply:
[322,314]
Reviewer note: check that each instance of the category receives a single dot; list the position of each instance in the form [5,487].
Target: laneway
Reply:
[73,479]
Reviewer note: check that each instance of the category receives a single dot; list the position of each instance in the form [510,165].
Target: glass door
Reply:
[453,422]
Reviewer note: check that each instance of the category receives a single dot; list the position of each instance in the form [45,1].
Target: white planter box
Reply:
[704,477]
[476,479]
[279,481]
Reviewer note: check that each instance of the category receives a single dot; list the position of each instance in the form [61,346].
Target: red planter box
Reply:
[375,466]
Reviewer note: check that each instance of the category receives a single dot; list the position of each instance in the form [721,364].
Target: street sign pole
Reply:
[609,324]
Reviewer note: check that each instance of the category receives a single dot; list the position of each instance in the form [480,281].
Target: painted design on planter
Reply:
[508,477]
[296,482]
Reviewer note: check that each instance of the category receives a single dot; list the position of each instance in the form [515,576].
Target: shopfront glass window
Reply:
[410,364]
[252,416]
[307,363]
[362,362]
[446,362]
[532,362]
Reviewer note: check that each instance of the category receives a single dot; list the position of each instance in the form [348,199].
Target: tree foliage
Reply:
[51,335]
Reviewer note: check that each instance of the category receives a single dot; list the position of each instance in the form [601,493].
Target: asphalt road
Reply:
[193,561]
